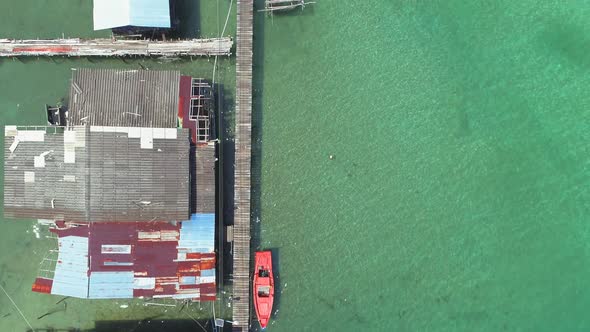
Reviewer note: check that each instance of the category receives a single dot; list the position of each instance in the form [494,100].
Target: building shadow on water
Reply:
[257,110]
[186,18]
[308,10]
[152,324]
[225,180]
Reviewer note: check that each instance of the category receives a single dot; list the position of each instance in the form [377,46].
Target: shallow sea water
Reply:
[457,198]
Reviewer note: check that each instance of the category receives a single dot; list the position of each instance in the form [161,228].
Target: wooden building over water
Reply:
[137,150]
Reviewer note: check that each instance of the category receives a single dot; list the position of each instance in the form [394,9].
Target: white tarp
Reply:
[142,13]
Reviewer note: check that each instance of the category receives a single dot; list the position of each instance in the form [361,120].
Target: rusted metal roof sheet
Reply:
[130,98]
[97,174]
[164,260]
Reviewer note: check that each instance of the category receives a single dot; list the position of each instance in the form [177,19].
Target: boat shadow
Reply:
[276,270]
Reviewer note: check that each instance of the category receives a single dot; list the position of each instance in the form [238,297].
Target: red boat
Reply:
[264,289]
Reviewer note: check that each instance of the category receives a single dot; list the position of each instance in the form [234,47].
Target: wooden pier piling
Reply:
[115,48]
[243,150]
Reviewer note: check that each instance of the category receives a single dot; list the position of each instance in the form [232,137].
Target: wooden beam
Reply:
[115,48]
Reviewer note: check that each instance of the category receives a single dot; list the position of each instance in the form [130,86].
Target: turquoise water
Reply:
[457,198]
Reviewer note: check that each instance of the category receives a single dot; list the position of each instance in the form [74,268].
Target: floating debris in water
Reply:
[6,315]
[54,310]
[124,306]
[63,299]
[159,304]
[36,231]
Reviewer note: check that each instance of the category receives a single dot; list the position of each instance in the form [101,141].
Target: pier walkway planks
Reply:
[243,140]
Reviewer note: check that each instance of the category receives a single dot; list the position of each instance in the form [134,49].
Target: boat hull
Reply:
[263,287]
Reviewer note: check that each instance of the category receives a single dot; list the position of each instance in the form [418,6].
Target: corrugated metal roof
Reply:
[115,178]
[129,183]
[181,266]
[208,276]
[129,98]
[111,285]
[39,198]
[71,271]
[198,234]
[190,280]
[142,13]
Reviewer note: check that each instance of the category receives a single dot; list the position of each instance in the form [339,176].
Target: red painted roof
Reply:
[150,251]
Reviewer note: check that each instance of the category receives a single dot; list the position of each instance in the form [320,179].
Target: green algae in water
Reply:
[458,198]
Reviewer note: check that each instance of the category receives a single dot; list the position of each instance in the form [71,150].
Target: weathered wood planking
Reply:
[243,140]
[120,48]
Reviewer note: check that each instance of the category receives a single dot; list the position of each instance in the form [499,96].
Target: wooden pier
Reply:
[115,48]
[243,141]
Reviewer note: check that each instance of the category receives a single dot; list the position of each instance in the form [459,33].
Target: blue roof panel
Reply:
[111,285]
[149,13]
[198,233]
[142,13]
[71,270]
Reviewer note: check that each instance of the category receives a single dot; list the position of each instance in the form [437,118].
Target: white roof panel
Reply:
[110,13]
[142,13]
[150,13]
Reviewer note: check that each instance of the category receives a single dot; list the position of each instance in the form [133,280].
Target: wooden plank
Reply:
[110,47]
